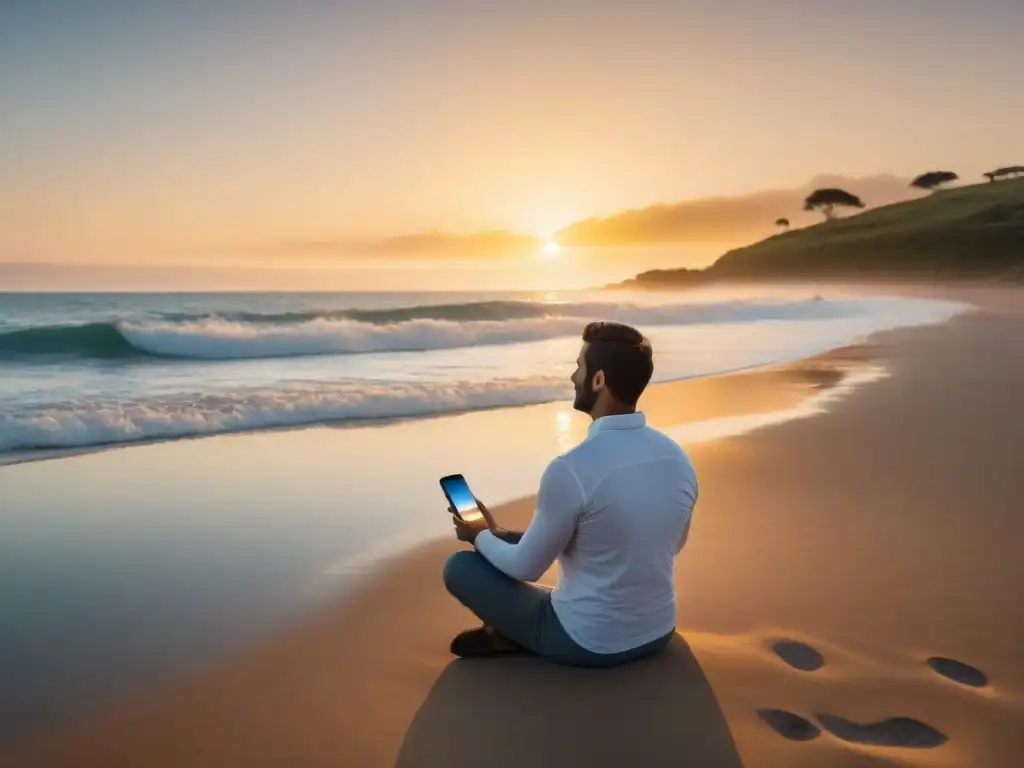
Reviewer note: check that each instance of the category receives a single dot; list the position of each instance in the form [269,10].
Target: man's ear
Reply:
[598,381]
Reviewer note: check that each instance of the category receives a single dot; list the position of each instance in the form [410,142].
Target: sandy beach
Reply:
[849,597]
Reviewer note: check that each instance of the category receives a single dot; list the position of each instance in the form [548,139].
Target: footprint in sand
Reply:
[894,732]
[788,725]
[957,671]
[798,655]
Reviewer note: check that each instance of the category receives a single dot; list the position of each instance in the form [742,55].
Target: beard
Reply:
[586,397]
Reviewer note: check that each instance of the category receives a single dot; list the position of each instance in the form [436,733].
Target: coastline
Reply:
[780,551]
[274,565]
[704,342]
[656,394]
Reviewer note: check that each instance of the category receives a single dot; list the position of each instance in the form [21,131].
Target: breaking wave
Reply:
[253,335]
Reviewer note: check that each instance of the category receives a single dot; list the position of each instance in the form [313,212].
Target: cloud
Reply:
[716,222]
[726,219]
[423,245]
[495,243]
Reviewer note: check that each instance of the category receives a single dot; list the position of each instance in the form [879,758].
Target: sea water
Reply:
[85,370]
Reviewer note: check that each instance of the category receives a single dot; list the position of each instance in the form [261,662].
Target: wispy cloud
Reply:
[433,244]
[498,243]
[725,219]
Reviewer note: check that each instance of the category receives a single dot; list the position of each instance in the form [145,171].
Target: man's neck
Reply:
[612,409]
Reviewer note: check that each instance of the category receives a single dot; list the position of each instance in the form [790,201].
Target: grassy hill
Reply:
[974,232]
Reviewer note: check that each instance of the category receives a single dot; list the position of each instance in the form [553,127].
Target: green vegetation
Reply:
[971,232]
[932,180]
[1004,173]
[826,200]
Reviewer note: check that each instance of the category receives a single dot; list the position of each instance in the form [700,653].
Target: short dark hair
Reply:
[624,354]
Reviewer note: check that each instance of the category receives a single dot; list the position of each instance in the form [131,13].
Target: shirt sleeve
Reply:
[559,502]
[693,493]
[685,536]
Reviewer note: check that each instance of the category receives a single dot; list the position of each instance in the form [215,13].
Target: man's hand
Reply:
[486,513]
[468,531]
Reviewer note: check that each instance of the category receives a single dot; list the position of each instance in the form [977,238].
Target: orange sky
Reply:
[153,133]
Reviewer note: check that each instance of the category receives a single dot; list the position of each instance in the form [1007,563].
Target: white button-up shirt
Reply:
[614,512]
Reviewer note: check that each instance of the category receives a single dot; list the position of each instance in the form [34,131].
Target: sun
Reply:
[550,249]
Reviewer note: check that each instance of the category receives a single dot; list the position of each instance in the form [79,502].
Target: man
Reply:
[614,512]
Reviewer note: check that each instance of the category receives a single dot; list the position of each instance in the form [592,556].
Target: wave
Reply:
[194,405]
[254,335]
[99,340]
[85,423]
[481,310]
[502,311]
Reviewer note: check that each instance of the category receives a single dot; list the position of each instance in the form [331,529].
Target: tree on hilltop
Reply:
[784,223]
[826,201]
[932,180]
[1009,170]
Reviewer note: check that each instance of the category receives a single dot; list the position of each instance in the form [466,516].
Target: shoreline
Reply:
[781,551]
[706,407]
[135,438]
[14,458]
[783,392]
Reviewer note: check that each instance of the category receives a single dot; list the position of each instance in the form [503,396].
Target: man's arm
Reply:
[689,520]
[685,536]
[559,502]
[509,537]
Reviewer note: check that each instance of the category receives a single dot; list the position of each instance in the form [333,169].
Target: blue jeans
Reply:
[523,613]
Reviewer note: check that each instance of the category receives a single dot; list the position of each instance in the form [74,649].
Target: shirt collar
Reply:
[619,421]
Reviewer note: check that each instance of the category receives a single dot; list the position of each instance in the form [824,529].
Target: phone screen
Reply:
[457,490]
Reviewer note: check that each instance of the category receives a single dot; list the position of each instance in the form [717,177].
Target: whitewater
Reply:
[83,370]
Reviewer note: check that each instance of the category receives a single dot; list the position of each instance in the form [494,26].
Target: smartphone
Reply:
[456,490]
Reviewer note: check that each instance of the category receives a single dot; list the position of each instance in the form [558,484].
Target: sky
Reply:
[145,133]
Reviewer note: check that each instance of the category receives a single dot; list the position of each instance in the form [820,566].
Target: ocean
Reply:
[80,371]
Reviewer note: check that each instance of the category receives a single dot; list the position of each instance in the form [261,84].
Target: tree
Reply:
[784,223]
[932,180]
[826,200]
[1009,170]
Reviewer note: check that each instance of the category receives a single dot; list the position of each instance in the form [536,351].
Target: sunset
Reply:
[494,384]
[144,134]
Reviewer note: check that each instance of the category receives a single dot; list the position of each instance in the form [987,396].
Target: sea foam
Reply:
[444,366]
[251,335]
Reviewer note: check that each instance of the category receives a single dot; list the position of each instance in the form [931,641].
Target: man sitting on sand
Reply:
[614,512]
